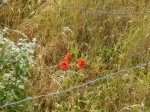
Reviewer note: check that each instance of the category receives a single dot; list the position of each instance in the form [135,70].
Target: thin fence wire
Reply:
[75,87]
[88,11]
[91,81]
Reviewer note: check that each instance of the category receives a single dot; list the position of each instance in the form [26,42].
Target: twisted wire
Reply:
[75,87]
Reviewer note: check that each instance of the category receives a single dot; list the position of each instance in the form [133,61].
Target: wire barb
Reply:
[100,12]
[104,12]
[75,87]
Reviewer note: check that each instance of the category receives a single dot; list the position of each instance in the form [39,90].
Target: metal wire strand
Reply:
[101,12]
[75,87]
[104,12]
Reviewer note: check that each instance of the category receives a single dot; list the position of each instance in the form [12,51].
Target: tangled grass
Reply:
[106,42]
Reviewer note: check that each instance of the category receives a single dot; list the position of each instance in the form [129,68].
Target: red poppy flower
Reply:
[64,65]
[67,57]
[81,64]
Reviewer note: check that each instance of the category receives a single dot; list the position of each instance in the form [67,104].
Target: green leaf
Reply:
[1,74]
[1,45]
[1,94]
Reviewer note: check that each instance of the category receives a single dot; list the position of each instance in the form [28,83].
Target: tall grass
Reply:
[107,43]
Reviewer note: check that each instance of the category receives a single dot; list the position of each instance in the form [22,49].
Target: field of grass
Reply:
[107,42]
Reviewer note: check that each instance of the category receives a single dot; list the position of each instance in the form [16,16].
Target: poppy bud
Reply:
[81,64]
[67,57]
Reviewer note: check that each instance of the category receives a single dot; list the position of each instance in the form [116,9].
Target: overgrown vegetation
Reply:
[15,69]
[107,43]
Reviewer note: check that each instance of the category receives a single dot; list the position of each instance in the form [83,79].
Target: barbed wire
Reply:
[91,81]
[88,11]
[75,87]
[104,12]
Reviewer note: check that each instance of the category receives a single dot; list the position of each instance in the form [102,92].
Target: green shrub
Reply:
[16,62]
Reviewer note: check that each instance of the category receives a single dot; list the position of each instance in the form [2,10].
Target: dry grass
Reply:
[107,43]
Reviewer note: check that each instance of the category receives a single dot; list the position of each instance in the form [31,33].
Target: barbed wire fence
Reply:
[88,11]
[75,87]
